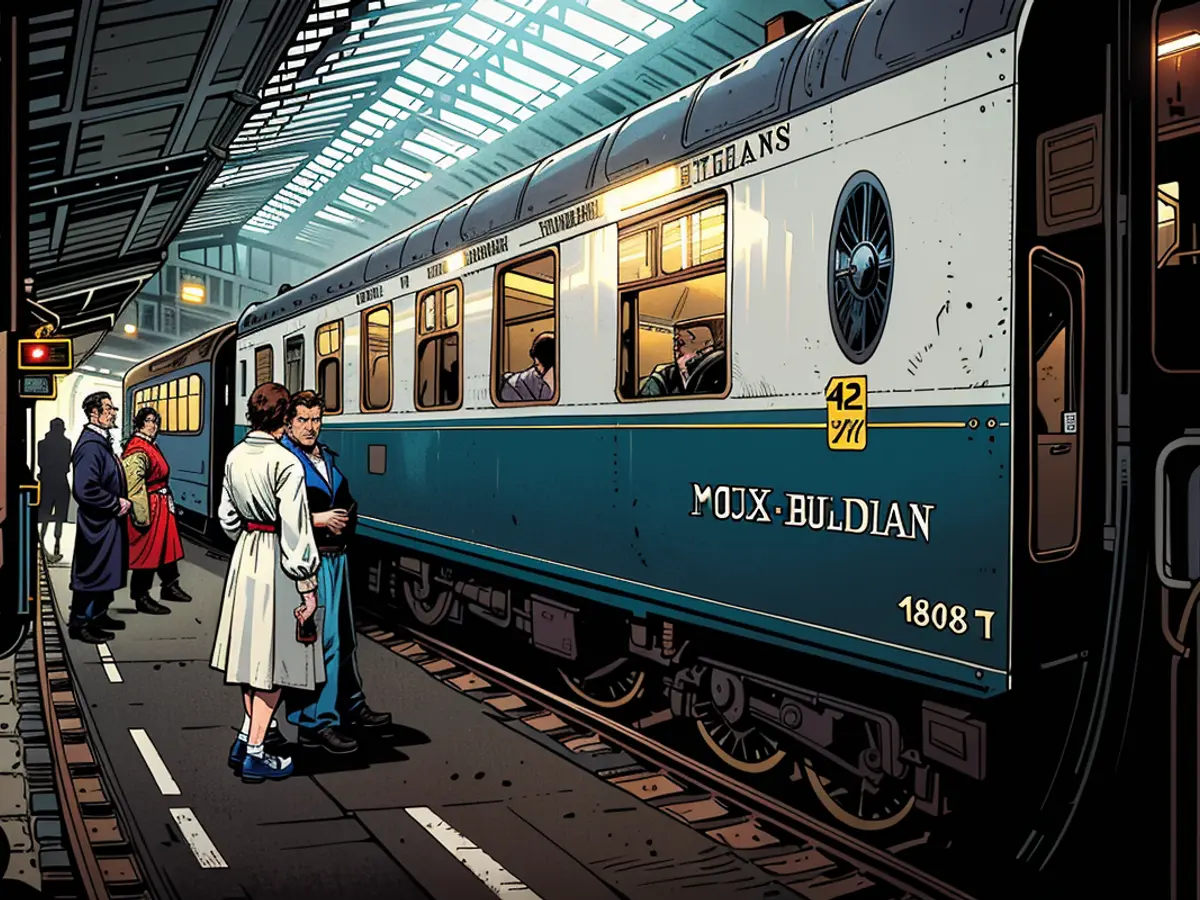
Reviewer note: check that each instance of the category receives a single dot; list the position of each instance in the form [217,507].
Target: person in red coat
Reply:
[154,544]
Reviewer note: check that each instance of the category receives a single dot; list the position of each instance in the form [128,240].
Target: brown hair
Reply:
[714,324]
[307,399]
[268,407]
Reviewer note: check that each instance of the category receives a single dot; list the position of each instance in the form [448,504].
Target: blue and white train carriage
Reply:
[877,257]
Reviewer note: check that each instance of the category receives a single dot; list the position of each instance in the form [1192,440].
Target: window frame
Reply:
[654,221]
[290,341]
[440,329]
[339,326]
[1075,355]
[496,368]
[364,349]
[270,351]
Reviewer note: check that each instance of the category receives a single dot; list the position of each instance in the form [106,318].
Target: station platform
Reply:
[453,802]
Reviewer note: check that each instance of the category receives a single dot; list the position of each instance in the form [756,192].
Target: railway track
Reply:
[814,859]
[103,863]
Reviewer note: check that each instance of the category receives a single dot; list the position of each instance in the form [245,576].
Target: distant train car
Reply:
[822,325]
[191,386]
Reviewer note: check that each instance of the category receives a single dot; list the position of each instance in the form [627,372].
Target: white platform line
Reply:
[110,664]
[154,763]
[197,838]
[497,878]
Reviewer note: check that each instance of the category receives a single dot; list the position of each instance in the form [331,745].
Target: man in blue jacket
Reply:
[339,702]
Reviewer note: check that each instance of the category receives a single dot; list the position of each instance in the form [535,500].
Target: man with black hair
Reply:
[101,544]
[535,383]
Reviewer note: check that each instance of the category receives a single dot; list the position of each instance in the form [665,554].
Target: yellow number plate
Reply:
[846,412]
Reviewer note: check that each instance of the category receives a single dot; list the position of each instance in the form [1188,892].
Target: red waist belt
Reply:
[156,486]
[260,526]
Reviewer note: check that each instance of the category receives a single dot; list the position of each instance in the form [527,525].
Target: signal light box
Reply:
[51,355]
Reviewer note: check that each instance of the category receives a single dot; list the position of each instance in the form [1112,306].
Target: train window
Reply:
[293,363]
[243,374]
[1056,289]
[329,366]
[672,314]
[636,253]
[525,360]
[694,239]
[264,365]
[438,383]
[179,404]
[377,359]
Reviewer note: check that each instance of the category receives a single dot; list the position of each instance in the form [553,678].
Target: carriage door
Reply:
[1056,287]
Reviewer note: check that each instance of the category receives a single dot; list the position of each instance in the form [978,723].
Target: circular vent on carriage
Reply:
[860,266]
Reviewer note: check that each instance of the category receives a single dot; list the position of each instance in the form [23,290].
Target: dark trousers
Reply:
[141,580]
[87,605]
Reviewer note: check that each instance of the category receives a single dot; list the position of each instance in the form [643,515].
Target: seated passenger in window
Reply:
[699,364]
[536,382]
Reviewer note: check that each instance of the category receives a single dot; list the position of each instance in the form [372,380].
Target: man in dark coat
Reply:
[101,542]
[54,460]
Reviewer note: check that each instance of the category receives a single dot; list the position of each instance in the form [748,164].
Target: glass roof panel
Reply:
[468,72]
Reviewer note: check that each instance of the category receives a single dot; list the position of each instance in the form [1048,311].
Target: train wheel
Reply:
[429,604]
[727,728]
[867,800]
[609,686]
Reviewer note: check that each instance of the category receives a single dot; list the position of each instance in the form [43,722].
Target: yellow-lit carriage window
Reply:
[429,313]
[635,256]
[693,239]
[377,359]
[438,382]
[451,311]
[193,403]
[264,365]
[329,366]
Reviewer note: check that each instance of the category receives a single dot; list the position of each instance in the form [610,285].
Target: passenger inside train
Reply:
[527,312]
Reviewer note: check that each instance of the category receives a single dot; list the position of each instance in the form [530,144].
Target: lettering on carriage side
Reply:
[733,502]
[484,250]
[371,293]
[572,218]
[403,282]
[940,616]
[437,270]
[741,152]
[899,520]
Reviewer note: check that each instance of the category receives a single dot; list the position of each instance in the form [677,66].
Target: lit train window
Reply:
[293,364]
[377,359]
[525,360]
[861,258]
[438,384]
[329,366]
[264,365]
[1056,288]
[179,404]
[672,318]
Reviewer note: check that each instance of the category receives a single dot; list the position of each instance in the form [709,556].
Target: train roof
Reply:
[836,55]
[198,349]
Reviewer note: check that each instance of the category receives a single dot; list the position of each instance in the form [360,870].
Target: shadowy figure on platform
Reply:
[54,461]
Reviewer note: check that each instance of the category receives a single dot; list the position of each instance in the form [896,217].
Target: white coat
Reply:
[256,635]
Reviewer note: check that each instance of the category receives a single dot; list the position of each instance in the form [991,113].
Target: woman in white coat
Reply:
[264,508]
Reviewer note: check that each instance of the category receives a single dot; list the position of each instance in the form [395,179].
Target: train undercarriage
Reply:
[870,765]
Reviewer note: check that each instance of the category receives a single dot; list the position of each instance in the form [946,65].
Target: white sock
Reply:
[244,734]
[254,750]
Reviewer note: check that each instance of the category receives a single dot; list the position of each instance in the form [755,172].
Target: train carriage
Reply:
[836,424]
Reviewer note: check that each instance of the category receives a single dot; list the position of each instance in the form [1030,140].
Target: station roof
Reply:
[131,111]
[386,111]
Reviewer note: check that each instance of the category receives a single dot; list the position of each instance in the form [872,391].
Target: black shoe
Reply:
[150,607]
[174,592]
[365,717]
[329,739]
[105,621]
[54,558]
[89,634]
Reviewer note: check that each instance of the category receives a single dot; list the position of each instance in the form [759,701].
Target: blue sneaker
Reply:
[256,769]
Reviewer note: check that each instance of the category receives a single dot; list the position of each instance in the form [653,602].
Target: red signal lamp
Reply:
[47,355]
